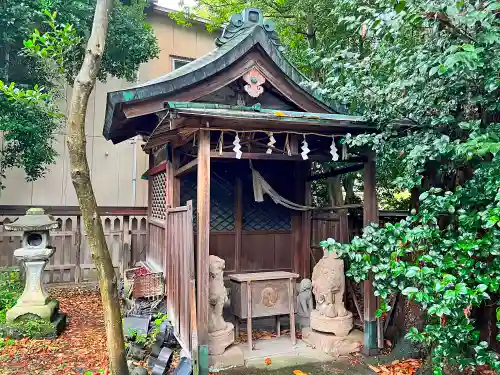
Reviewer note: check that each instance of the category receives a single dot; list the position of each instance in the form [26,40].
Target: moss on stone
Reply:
[32,328]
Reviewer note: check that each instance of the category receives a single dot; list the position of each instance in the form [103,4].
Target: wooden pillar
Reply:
[370,215]
[238,224]
[202,258]
[176,189]
[151,164]
[296,216]
[169,184]
[306,225]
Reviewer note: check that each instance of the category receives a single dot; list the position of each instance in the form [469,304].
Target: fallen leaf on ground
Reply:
[299,372]
[258,334]
[398,367]
[267,361]
[81,347]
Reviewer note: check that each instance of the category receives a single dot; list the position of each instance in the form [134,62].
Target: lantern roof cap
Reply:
[35,219]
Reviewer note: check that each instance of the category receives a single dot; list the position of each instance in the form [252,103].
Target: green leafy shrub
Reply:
[6,342]
[10,290]
[148,339]
[445,258]
[427,74]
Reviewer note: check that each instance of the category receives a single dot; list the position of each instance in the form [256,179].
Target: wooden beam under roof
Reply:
[264,156]
[186,168]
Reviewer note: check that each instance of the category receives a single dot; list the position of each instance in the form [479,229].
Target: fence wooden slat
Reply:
[78,248]
[126,245]
[171,247]
[72,260]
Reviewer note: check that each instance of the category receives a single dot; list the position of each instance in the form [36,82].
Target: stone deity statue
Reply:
[304,303]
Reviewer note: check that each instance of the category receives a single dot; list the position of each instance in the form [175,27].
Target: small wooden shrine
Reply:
[231,138]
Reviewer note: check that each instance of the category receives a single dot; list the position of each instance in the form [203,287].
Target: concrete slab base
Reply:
[232,357]
[282,353]
[333,345]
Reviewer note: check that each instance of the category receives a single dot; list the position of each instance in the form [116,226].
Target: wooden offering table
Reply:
[263,294]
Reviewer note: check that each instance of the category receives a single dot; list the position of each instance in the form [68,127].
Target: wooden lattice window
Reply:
[221,198]
[265,215]
[158,209]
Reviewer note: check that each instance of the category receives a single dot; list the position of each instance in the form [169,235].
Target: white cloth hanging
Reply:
[261,187]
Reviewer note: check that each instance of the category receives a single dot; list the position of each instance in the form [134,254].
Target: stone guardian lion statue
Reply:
[328,285]
[217,295]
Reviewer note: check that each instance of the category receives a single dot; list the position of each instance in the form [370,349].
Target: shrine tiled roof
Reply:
[244,32]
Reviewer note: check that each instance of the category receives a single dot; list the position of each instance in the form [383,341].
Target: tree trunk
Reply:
[348,184]
[335,191]
[6,66]
[80,175]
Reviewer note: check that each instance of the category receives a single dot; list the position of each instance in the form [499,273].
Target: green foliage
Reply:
[157,322]
[433,65]
[55,50]
[130,42]
[445,258]
[28,120]
[10,290]
[148,339]
[58,43]
[89,372]
[6,342]
[137,337]
[33,328]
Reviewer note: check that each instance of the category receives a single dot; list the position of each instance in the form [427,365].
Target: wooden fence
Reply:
[342,225]
[328,224]
[171,247]
[124,228]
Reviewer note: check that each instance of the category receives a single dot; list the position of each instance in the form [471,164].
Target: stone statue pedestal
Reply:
[331,323]
[232,357]
[332,344]
[339,326]
[221,351]
[332,335]
[218,341]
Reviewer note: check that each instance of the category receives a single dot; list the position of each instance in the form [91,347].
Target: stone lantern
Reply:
[35,254]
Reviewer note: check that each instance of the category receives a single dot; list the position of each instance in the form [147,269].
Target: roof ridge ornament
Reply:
[247,19]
